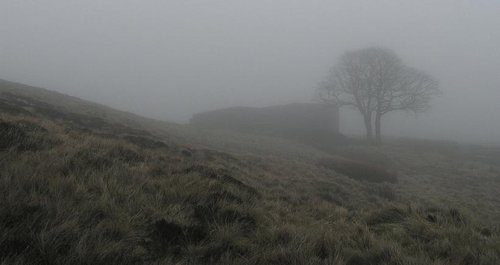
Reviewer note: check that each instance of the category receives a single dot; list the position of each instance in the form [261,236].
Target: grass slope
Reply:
[76,190]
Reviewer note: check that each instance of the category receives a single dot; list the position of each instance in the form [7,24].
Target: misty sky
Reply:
[169,59]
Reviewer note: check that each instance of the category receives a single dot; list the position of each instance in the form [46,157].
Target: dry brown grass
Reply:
[111,200]
[98,186]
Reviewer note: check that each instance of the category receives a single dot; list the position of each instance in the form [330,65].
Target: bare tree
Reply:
[376,82]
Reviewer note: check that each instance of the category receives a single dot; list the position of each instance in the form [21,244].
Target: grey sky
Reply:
[169,59]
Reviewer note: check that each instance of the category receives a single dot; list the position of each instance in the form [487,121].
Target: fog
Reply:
[170,59]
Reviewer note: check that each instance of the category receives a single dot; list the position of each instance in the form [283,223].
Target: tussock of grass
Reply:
[387,216]
[24,136]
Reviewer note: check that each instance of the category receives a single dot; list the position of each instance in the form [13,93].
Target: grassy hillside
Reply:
[84,184]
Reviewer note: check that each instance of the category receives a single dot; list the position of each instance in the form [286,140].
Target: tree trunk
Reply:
[368,127]
[378,133]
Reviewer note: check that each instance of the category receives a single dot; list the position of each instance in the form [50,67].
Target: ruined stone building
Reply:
[306,122]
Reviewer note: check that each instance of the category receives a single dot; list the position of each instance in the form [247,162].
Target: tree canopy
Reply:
[375,81]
